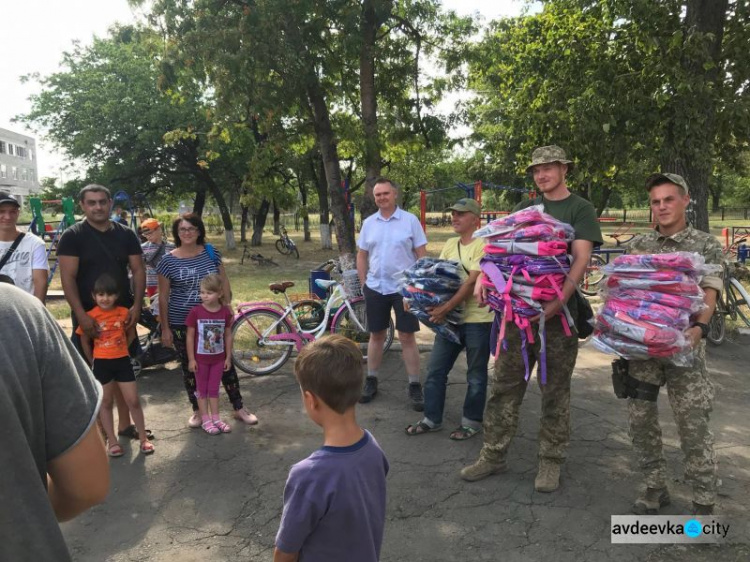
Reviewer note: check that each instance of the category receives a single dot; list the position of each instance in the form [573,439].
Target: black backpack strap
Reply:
[12,249]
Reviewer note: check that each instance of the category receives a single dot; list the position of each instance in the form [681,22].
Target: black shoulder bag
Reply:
[12,249]
[584,316]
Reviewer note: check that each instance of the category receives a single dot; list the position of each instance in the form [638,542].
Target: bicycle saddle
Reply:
[325,283]
[280,287]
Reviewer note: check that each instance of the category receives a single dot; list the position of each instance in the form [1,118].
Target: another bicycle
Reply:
[734,302]
[593,275]
[286,245]
[266,333]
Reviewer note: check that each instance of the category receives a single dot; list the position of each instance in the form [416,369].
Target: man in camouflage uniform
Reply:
[690,390]
[549,166]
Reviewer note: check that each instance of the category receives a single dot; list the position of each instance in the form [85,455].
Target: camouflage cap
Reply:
[660,178]
[548,154]
[466,205]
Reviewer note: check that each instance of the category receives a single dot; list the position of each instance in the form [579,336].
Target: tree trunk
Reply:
[200,200]
[259,223]
[716,192]
[243,222]
[303,211]
[329,151]
[276,218]
[319,173]
[374,13]
[604,201]
[218,196]
[691,154]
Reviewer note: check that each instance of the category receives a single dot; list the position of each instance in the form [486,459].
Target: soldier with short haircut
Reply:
[549,166]
[689,389]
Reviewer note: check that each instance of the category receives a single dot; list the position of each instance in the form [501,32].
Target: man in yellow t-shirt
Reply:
[474,333]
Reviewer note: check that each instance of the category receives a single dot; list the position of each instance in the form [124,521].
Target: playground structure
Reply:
[50,236]
[137,206]
[473,191]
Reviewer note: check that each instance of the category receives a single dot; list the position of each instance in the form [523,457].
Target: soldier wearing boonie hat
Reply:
[548,155]
[690,389]
[549,166]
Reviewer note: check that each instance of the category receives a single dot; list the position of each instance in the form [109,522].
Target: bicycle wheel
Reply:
[294,250]
[281,247]
[593,276]
[250,353]
[738,301]
[717,327]
[309,313]
[348,327]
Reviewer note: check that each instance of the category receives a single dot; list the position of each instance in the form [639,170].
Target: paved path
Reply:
[219,498]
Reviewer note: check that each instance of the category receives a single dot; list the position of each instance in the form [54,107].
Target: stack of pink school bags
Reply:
[649,301]
[525,264]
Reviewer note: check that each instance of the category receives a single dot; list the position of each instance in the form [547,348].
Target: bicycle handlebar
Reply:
[329,265]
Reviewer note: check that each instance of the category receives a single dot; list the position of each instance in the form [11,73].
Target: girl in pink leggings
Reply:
[209,350]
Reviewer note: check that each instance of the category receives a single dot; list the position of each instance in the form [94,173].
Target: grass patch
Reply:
[250,281]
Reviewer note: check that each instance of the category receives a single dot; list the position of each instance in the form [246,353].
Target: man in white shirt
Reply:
[26,263]
[390,241]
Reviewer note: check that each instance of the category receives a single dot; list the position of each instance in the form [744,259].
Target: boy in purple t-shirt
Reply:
[334,500]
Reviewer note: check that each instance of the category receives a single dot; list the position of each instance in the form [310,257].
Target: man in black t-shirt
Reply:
[86,250]
[95,246]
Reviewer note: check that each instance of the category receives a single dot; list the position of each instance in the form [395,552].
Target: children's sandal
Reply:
[210,428]
[222,426]
[114,450]
[147,448]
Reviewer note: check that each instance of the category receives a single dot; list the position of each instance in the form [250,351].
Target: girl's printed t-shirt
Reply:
[209,332]
[112,342]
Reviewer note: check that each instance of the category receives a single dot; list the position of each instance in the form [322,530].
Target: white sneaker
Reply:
[195,420]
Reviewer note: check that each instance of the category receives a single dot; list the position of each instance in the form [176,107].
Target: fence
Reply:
[644,215]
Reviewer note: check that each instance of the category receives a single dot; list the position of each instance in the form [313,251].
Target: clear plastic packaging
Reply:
[428,283]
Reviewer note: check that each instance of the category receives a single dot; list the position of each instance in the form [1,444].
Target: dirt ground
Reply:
[219,498]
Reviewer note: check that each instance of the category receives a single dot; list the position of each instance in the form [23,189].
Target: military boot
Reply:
[700,509]
[548,477]
[482,469]
[649,502]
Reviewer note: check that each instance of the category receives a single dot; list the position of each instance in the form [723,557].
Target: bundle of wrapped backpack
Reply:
[429,283]
[525,264]
[649,300]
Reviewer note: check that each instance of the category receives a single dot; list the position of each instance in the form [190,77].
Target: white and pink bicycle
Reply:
[267,333]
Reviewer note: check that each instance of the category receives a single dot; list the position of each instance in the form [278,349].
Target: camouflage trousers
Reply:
[691,395]
[509,387]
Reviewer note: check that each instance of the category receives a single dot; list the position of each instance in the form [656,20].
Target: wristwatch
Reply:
[703,327]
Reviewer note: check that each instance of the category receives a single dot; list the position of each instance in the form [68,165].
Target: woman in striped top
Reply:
[180,273]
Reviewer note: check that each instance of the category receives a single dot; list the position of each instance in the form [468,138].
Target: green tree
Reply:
[627,86]
[105,108]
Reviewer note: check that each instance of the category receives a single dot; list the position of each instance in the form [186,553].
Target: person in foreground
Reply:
[54,462]
[689,389]
[334,500]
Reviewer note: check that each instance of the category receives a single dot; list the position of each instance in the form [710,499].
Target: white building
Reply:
[18,169]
